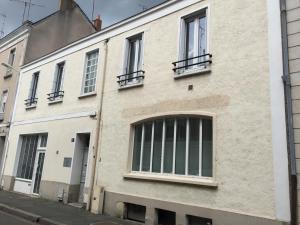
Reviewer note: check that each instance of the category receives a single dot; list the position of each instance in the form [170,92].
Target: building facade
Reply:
[173,116]
[12,53]
[29,42]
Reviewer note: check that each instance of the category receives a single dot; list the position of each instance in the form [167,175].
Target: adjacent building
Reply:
[173,116]
[29,42]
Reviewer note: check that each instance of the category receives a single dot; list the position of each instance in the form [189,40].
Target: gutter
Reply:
[98,133]
[289,116]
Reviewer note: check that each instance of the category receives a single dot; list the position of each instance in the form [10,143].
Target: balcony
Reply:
[9,73]
[56,96]
[131,79]
[191,66]
[31,102]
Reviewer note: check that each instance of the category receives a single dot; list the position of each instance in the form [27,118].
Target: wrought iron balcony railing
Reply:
[131,78]
[31,101]
[191,63]
[55,95]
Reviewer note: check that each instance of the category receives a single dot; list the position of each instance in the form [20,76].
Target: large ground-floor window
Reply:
[175,145]
[29,146]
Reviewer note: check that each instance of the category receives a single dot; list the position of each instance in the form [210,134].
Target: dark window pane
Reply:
[194,220]
[147,147]
[207,148]
[194,147]
[137,148]
[157,146]
[180,146]
[136,212]
[168,157]
[165,217]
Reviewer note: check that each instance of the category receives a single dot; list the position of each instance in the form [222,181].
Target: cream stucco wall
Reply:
[236,90]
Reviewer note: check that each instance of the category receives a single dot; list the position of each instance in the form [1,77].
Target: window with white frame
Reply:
[133,72]
[90,73]
[11,60]
[194,53]
[174,145]
[3,101]
[29,146]
[57,91]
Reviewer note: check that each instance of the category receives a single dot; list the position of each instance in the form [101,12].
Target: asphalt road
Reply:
[7,219]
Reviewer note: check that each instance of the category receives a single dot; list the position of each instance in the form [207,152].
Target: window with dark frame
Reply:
[133,63]
[32,100]
[174,145]
[57,92]
[195,220]
[135,212]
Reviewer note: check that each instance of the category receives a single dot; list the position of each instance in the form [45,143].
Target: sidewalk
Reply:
[55,211]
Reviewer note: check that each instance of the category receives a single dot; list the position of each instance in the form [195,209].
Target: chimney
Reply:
[98,23]
[66,4]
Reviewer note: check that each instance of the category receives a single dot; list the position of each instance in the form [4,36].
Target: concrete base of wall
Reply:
[114,206]
[55,190]
[8,183]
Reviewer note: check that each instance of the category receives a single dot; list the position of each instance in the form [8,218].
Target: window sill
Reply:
[6,76]
[87,95]
[30,107]
[140,84]
[201,181]
[55,101]
[192,72]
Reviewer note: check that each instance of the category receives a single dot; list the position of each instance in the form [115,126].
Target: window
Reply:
[194,54]
[31,144]
[89,83]
[11,60]
[3,101]
[135,212]
[27,156]
[57,91]
[165,217]
[133,61]
[175,145]
[194,220]
[32,92]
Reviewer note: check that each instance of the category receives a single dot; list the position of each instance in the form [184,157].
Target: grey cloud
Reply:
[111,11]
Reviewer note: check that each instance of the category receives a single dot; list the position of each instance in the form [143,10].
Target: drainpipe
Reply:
[98,131]
[289,115]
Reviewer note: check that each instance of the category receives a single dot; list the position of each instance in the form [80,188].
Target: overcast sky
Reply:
[111,11]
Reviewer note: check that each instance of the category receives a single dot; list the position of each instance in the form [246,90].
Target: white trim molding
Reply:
[55,118]
[279,139]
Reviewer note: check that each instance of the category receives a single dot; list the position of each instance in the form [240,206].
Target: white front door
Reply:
[30,165]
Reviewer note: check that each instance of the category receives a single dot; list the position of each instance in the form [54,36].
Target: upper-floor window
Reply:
[133,61]
[90,74]
[175,145]
[57,91]
[32,99]
[194,53]
[3,101]
[11,60]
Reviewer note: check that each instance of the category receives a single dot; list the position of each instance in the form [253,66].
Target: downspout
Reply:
[98,128]
[289,115]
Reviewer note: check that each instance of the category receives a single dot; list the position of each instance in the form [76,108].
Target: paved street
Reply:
[8,219]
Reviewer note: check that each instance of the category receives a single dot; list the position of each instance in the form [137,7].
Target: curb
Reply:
[20,213]
[28,216]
